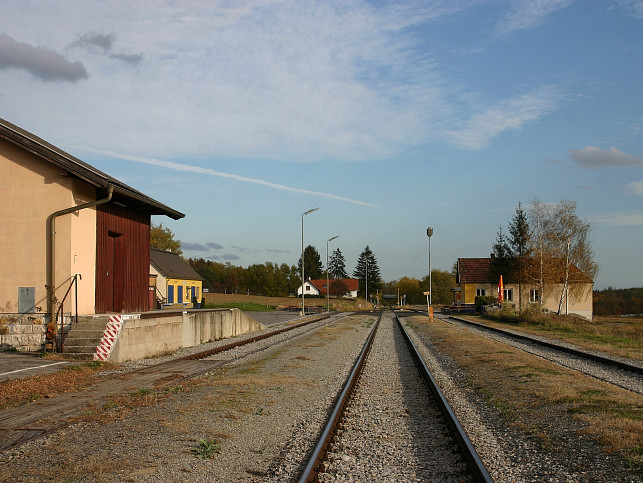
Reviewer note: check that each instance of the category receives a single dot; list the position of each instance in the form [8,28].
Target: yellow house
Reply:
[177,284]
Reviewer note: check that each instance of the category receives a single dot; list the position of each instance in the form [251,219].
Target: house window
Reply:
[508,294]
[481,292]
[307,288]
[533,295]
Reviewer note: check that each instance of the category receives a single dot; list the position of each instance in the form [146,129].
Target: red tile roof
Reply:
[473,270]
[351,284]
[477,270]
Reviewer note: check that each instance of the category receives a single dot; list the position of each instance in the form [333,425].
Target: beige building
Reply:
[474,279]
[66,226]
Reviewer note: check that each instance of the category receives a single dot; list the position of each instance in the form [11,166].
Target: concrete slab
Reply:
[14,365]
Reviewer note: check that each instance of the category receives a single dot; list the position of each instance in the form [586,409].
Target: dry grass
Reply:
[14,392]
[538,396]
[620,336]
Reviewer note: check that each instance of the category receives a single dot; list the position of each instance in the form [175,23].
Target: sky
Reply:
[388,116]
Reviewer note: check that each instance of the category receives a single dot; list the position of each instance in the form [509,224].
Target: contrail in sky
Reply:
[211,172]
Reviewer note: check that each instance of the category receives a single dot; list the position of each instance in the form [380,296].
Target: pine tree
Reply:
[313,265]
[519,242]
[501,258]
[367,265]
[337,265]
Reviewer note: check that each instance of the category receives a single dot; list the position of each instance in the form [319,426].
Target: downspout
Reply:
[51,287]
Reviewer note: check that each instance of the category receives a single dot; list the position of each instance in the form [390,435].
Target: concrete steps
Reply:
[84,336]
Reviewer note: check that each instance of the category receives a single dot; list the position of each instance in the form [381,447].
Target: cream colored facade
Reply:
[30,191]
[579,299]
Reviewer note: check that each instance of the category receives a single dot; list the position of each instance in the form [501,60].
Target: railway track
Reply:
[40,418]
[617,371]
[391,421]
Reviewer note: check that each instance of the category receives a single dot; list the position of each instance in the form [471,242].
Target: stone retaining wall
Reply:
[22,332]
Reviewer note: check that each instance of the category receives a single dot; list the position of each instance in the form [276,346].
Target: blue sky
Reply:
[388,116]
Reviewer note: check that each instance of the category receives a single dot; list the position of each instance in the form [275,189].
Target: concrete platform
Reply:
[14,365]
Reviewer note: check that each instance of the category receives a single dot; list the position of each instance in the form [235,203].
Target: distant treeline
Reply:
[622,301]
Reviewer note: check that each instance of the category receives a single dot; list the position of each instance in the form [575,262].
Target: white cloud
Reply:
[219,174]
[595,158]
[619,219]
[281,80]
[635,187]
[509,114]
[526,14]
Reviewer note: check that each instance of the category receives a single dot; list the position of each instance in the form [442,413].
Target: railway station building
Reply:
[474,277]
[71,236]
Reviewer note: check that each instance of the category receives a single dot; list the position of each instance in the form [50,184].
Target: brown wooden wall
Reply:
[122,259]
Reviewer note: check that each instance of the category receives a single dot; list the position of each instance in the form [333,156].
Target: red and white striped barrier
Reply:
[108,340]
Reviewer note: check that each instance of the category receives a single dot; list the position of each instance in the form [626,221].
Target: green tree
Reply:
[501,258]
[338,288]
[442,282]
[519,242]
[367,269]
[410,287]
[337,265]
[313,267]
[162,238]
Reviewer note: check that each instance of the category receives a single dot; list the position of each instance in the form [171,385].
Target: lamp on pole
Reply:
[366,284]
[429,233]
[327,275]
[303,278]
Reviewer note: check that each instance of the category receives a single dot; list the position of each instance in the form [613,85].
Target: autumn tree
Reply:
[162,238]
[442,281]
[560,238]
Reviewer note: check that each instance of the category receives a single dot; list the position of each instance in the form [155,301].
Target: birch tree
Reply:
[560,238]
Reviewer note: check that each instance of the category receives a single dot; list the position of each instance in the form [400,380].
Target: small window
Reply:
[481,292]
[508,294]
[307,288]
[534,295]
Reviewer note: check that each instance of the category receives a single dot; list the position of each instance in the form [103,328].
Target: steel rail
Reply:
[477,467]
[550,345]
[318,456]
[232,345]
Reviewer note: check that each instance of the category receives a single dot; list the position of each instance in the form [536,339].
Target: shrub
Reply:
[480,302]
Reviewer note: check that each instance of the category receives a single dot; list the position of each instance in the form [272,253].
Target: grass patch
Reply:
[616,335]
[243,306]
[207,449]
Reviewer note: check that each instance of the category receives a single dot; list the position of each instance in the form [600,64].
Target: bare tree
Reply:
[559,239]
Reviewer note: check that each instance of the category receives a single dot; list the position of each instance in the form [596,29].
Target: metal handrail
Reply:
[60,311]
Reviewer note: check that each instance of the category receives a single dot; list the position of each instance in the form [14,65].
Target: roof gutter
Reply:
[51,284]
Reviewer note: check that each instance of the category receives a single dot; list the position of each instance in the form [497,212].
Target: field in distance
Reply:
[256,302]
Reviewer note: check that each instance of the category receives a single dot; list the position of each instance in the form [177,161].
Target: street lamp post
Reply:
[429,233]
[366,285]
[327,275]
[303,278]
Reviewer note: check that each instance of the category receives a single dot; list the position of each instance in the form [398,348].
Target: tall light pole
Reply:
[429,233]
[366,285]
[303,278]
[327,275]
